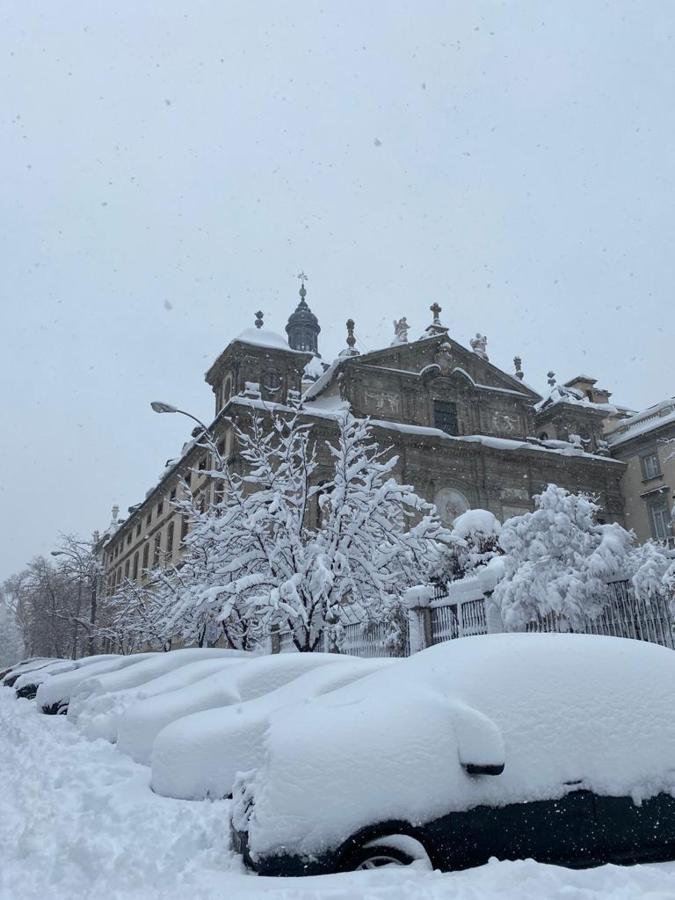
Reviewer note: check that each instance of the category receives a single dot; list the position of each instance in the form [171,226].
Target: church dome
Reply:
[303,327]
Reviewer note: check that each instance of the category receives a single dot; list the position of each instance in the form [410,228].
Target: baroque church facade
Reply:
[466,434]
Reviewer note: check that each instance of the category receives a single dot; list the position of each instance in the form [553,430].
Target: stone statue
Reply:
[401,328]
[479,345]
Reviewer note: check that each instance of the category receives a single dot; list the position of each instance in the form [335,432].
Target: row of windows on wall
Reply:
[141,560]
[160,506]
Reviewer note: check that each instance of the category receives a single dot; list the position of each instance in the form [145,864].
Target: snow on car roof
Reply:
[199,755]
[570,709]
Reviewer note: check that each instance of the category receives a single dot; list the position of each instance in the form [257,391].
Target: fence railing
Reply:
[461,610]
[625,615]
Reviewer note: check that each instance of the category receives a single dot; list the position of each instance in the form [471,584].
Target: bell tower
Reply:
[303,326]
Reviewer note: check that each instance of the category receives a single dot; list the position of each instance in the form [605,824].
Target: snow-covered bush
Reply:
[648,565]
[558,559]
[473,542]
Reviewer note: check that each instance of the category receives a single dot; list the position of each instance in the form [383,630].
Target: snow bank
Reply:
[59,688]
[143,721]
[567,707]
[199,756]
[100,714]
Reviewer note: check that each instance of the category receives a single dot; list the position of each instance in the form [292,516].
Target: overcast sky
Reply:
[168,168]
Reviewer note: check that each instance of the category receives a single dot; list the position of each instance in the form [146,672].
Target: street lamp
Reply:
[159,407]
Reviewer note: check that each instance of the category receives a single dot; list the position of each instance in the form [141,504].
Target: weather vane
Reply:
[302,277]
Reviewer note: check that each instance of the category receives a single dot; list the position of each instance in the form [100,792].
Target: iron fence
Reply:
[624,615]
[460,610]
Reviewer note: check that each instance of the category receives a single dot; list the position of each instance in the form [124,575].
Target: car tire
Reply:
[389,850]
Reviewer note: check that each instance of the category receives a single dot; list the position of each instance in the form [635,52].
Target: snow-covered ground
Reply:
[78,820]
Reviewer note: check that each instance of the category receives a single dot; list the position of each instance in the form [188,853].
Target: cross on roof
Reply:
[436,310]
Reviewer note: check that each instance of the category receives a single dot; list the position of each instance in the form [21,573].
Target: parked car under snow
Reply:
[53,695]
[555,747]
[143,722]
[27,684]
[200,755]
[11,675]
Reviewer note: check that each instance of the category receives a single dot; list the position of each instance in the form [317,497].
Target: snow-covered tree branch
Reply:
[283,549]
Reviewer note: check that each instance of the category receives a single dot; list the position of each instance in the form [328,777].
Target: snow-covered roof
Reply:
[322,383]
[496,443]
[315,368]
[653,417]
[261,337]
[562,394]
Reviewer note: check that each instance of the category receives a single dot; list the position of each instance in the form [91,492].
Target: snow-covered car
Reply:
[22,664]
[200,755]
[261,675]
[558,747]
[53,695]
[26,685]
[100,714]
[28,665]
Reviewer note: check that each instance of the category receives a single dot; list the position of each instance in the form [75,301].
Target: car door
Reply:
[554,831]
[629,832]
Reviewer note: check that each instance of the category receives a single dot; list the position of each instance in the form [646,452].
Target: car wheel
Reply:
[390,850]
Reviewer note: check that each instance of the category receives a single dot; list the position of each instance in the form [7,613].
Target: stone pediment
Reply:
[440,356]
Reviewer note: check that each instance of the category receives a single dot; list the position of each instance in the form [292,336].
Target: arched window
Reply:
[227,390]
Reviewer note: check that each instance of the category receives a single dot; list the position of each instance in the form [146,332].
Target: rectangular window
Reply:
[160,507]
[138,530]
[660,520]
[156,548]
[146,553]
[184,527]
[445,416]
[651,468]
[148,519]
[173,494]
[126,569]
[169,539]
[128,539]
[134,571]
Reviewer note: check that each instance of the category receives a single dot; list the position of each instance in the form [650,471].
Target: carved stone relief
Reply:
[383,402]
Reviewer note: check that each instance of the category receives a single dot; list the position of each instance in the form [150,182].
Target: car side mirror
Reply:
[480,745]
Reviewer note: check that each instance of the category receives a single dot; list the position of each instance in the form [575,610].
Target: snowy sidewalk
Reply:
[78,820]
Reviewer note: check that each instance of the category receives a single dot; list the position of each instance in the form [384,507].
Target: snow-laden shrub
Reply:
[474,541]
[558,559]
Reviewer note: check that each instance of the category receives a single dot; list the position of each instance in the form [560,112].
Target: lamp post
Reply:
[159,406]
